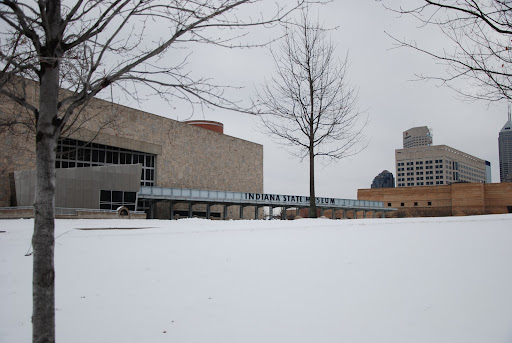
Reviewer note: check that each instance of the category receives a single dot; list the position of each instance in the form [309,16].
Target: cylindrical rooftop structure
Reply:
[208,125]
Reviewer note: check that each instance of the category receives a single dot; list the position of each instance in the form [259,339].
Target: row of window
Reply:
[112,200]
[419,162]
[416,203]
[72,153]
[428,183]
[421,173]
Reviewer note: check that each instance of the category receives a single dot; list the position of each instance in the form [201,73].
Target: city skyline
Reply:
[387,94]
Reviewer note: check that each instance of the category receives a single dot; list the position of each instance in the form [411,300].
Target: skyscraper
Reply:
[417,136]
[420,163]
[505,150]
[384,180]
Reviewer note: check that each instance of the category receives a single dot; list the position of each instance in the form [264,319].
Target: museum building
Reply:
[111,150]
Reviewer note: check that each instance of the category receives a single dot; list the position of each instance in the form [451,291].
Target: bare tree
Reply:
[86,46]
[308,105]
[481,32]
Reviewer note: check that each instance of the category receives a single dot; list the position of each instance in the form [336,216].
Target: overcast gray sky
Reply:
[392,101]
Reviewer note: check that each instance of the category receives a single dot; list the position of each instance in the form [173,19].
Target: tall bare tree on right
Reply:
[308,104]
[480,33]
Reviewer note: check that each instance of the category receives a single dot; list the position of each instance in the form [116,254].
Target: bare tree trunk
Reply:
[312,196]
[48,126]
[43,241]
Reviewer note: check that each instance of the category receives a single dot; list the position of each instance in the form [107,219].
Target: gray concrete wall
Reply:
[80,187]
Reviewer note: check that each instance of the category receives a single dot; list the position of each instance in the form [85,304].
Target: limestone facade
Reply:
[186,156]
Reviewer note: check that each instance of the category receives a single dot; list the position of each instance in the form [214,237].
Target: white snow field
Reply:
[367,280]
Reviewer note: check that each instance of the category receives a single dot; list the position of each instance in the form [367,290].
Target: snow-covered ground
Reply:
[366,280]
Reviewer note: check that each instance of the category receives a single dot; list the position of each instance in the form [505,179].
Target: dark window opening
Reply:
[117,196]
[129,197]
[73,153]
[112,200]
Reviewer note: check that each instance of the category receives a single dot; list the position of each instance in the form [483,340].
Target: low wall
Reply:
[18,213]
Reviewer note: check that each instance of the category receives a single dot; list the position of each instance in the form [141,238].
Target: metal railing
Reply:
[259,199]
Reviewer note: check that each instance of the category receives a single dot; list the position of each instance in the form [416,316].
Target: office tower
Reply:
[505,150]
[384,180]
[417,136]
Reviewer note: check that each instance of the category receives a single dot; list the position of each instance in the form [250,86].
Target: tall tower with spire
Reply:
[505,150]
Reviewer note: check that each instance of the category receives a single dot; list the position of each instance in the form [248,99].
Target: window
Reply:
[105,196]
[74,153]
[429,203]
[402,204]
[117,196]
[415,203]
[389,204]
[111,200]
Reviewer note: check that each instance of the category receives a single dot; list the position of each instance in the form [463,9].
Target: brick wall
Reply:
[454,199]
